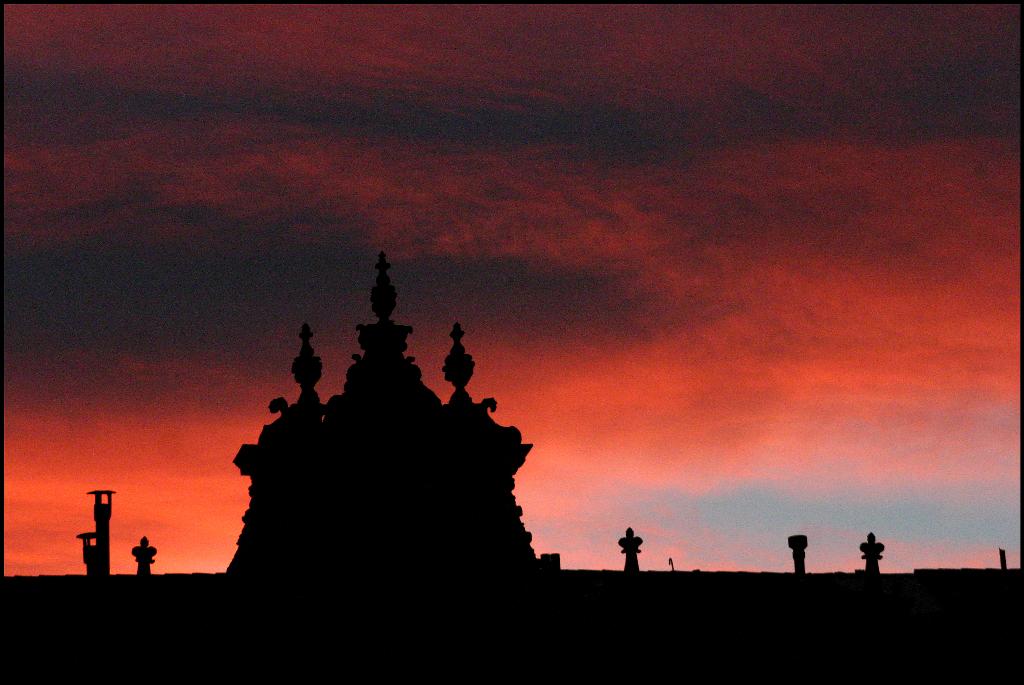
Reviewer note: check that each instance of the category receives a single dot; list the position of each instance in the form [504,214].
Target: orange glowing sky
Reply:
[737,272]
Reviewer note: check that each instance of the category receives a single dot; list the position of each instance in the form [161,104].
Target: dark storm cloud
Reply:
[908,78]
[103,107]
[109,314]
[72,110]
[692,247]
[105,296]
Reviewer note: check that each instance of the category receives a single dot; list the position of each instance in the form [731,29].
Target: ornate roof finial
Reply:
[458,366]
[383,295]
[307,368]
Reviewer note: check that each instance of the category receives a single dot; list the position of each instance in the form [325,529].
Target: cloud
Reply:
[618,79]
[712,248]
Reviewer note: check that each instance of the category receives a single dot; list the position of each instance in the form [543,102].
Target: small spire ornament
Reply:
[458,366]
[144,554]
[307,368]
[383,296]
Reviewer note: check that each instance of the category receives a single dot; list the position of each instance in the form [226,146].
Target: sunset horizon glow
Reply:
[737,273]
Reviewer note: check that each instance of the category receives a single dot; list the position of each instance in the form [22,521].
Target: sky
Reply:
[737,273]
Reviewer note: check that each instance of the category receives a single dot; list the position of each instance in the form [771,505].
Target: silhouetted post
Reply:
[798,543]
[96,546]
[631,547]
[144,554]
[872,553]
[1002,558]
[551,563]
[671,566]
[101,514]
[88,552]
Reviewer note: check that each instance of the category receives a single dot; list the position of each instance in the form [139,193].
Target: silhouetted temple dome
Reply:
[384,476]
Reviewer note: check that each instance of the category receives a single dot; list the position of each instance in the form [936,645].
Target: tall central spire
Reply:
[383,341]
[383,295]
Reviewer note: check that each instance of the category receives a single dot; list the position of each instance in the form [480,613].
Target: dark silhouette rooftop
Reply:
[392,512]
[388,458]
